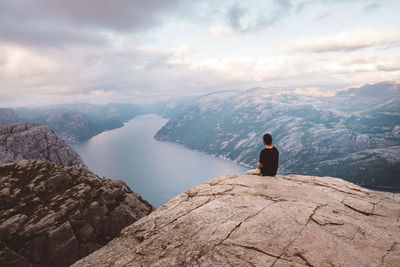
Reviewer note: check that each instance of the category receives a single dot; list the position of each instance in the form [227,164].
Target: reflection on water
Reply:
[156,170]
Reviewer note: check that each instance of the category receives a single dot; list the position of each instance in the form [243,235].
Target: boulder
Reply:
[251,220]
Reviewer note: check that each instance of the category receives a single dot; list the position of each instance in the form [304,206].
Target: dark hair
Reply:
[267,139]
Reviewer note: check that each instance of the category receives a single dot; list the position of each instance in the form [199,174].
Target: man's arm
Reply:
[260,165]
[276,163]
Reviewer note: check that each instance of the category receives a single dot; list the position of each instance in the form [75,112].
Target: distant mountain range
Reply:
[352,133]
[7,116]
[78,122]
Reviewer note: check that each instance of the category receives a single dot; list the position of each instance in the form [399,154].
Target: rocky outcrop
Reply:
[7,115]
[21,141]
[263,221]
[53,215]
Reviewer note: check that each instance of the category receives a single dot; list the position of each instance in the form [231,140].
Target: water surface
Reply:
[156,170]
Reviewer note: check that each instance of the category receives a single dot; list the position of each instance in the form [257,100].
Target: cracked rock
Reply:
[251,220]
[72,214]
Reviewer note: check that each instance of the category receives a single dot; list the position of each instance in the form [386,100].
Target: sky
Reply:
[99,51]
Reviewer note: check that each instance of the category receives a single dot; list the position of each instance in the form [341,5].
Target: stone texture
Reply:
[53,215]
[21,141]
[251,220]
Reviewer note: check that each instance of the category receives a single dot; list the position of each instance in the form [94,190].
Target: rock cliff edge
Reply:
[20,141]
[53,215]
[263,221]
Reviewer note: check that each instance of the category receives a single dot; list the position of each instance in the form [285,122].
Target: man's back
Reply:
[269,158]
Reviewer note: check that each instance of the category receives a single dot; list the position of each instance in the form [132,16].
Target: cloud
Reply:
[354,59]
[303,4]
[370,8]
[130,50]
[243,20]
[220,31]
[322,16]
[19,62]
[235,14]
[48,22]
[345,41]
[390,66]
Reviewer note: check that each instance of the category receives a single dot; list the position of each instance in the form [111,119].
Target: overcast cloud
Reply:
[124,50]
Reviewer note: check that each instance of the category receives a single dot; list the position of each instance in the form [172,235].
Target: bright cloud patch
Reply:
[345,41]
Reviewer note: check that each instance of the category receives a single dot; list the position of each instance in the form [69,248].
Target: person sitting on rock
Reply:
[269,157]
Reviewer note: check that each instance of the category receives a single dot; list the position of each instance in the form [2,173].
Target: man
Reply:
[269,157]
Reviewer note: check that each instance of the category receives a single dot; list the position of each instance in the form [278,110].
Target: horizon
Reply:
[307,90]
[149,51]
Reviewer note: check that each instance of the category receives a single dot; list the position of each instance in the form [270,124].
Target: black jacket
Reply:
[269,158]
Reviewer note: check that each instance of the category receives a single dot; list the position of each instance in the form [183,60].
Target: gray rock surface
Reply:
[21,141]
[53,215]
[263,221]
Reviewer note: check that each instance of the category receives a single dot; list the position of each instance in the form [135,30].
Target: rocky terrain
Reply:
[21,141]
[263,221]
[53,215]
[7,115]
[352,133]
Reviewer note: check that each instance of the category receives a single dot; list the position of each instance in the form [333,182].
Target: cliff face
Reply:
[21,141]
[355,129]
[263,221]
[53,215]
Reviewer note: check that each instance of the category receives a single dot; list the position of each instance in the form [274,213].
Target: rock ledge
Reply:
[263,221]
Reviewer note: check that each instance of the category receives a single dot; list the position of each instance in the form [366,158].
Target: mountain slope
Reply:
[53,215]
[30,141]
[7,115]
[263,221]
[311,132]
[72,126]
[79,122]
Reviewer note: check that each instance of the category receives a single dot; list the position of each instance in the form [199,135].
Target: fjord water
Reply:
[156,170]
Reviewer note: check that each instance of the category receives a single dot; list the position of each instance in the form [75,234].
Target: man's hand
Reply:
[260,165]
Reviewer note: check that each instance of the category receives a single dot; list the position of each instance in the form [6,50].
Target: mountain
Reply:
[7,115]
[263,221]
[351,133]
[72,126]
[168,108]
[21,141]
[53,215]
[76,123]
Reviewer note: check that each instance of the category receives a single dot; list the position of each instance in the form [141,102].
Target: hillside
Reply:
[263,221]
[71,125]
[351,133]
[53,215]
[21,141]
[76,123]
[7,115]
